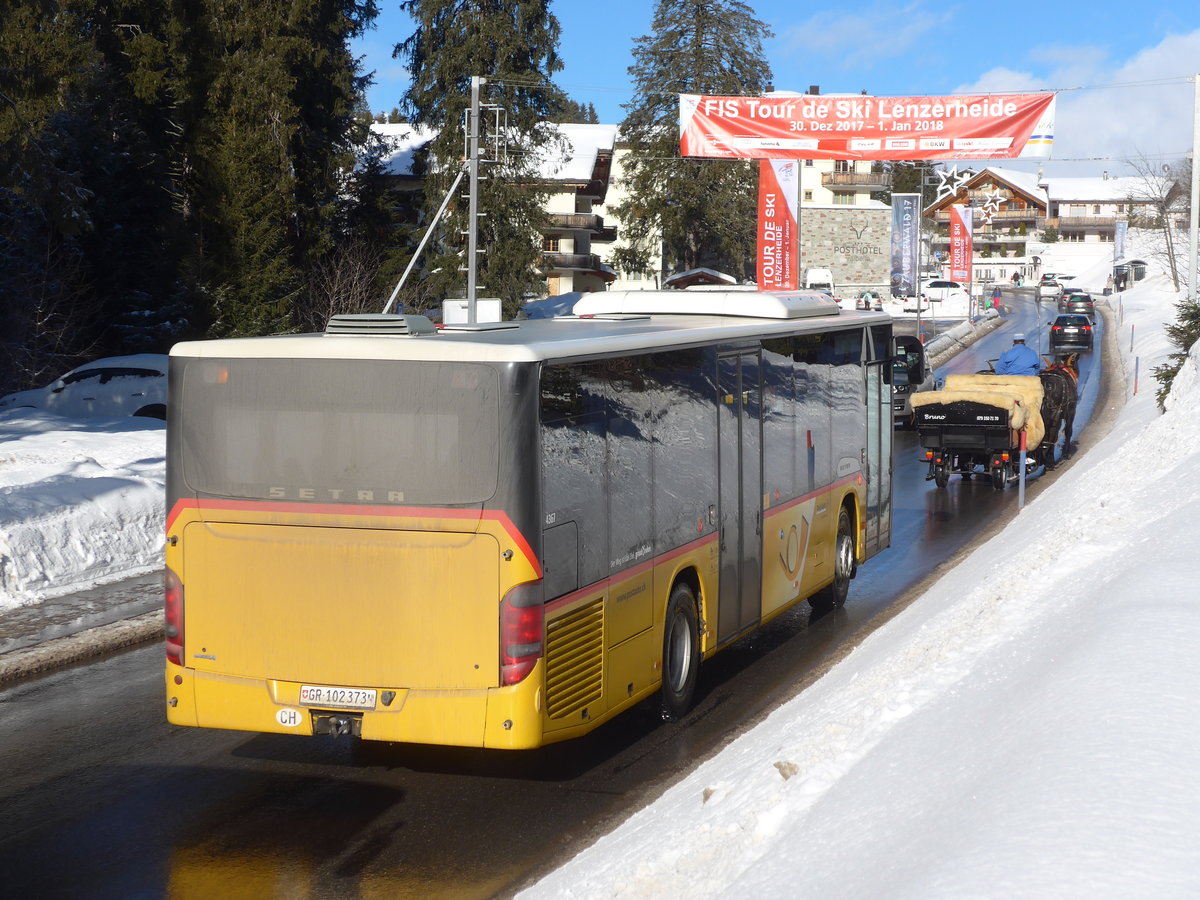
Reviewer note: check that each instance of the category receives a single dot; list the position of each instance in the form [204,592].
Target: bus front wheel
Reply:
[681,653]
[834,595]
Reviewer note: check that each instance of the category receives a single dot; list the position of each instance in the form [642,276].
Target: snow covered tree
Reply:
[702,211]
[514,45]
[1160,203]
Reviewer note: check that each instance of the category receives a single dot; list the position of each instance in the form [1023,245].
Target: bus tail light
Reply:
[173,615]
[522,631]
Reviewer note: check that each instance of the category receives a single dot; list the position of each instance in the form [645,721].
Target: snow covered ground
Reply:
[1025,729]
[81,503]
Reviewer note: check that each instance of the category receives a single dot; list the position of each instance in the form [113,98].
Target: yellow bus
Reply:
[503,535]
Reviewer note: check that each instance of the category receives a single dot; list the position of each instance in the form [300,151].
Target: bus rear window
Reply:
[340,430]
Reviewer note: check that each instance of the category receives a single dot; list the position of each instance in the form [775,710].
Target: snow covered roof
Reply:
[694,277]
[403,141]
[582,146]
[572,161]
[1026,182]
[1110,189]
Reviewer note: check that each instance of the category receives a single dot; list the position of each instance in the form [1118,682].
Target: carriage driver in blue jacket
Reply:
[1018,359]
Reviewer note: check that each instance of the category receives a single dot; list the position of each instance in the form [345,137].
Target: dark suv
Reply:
[1071,331]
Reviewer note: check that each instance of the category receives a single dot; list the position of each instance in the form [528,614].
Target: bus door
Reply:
[878,533]
[739,428]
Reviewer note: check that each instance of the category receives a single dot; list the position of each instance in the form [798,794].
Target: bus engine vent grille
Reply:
[379,323]
[574,659]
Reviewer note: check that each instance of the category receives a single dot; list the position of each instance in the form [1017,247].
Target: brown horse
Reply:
[1060,394]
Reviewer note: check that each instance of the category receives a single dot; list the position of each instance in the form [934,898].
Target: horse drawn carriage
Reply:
[979,424]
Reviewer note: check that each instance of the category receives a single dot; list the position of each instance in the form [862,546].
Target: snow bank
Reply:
[81,502]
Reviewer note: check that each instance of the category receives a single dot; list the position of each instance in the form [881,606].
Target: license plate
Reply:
[340,697]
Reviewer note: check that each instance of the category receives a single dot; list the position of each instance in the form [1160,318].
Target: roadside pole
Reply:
[1021,475]
[1194,212]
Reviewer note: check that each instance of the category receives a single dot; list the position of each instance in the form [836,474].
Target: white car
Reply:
[113,386]
[1049,289]
[941,291]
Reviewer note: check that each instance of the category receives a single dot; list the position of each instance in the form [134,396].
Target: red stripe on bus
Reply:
[344,509]
[605,584]
[812,495]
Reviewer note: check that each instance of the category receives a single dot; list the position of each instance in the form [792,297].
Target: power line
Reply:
[1149,82]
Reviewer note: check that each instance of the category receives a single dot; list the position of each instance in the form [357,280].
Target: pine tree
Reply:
[1183,333]
[86,235]
[276,92]
[570,111]
[514,45]
[703,211]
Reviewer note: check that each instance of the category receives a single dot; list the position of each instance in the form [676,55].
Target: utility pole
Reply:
[477,81]
[1194,211]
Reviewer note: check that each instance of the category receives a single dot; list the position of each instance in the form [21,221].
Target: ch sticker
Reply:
[288,718]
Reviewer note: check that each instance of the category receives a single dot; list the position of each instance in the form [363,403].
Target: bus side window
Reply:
[574,465]
[779,418]
[881,341]
[560,559]
[684,448]
[630,418]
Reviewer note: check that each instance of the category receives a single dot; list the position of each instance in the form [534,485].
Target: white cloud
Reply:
[863,38]
[1122,110]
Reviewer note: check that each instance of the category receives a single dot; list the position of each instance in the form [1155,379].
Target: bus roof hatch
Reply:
[753,304]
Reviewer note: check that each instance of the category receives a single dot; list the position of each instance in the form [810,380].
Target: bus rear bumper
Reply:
[503,717]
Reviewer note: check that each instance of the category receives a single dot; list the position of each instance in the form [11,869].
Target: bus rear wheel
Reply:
[681,653]
[834,595]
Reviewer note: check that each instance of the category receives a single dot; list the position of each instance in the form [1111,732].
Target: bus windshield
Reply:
[340,430]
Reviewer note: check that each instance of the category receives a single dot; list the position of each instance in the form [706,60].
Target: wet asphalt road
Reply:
[101,798]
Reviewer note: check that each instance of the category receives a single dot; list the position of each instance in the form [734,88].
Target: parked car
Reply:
[941,291]
[869,300]
[1079,303]
[1048,289]
[1071,331]
[113,386]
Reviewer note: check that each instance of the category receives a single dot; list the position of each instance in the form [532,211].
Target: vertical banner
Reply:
[1119,232]
[961,244]
[778,236]
[906,243]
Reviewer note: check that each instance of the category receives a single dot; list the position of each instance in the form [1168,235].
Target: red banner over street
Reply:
[816,126]
[778,239]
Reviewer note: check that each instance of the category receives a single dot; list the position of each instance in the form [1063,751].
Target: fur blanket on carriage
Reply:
[1018,395]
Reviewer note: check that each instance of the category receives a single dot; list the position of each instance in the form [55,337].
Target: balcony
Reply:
[576,222]
[1082,222]
[584,262]
[874,181]
[1029,216]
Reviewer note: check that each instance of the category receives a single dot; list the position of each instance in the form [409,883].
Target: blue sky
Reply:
[1122,68]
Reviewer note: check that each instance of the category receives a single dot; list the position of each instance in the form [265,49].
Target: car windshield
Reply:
[1073,320]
